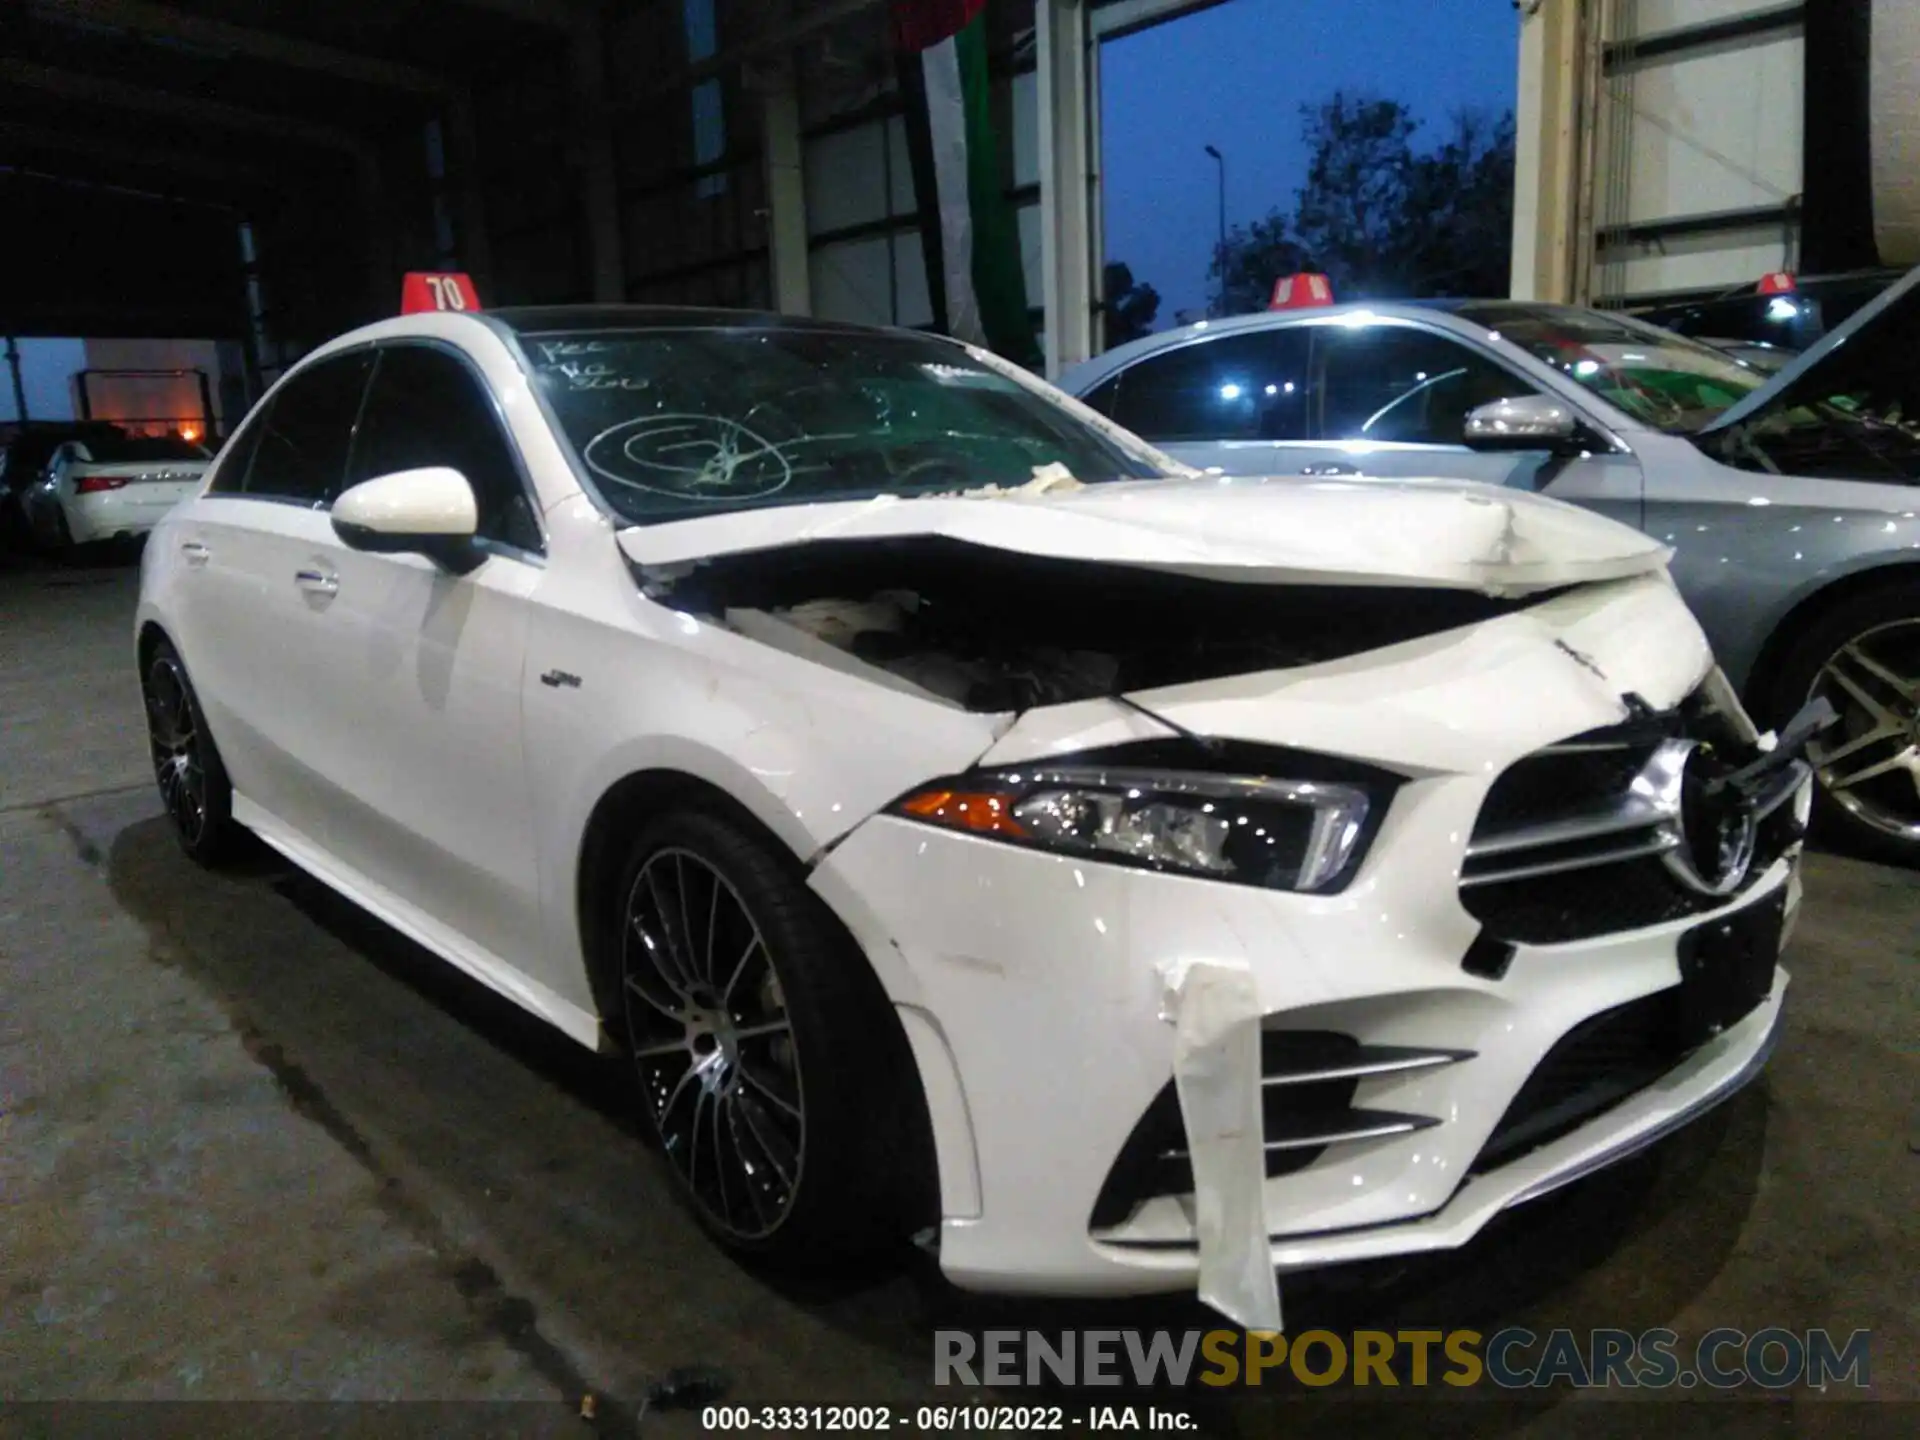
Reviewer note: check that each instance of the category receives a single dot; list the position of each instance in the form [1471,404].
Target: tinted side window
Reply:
[304,436]
[1103,396]
[1396,383]
[230,472]
[427,408]
[1250,386]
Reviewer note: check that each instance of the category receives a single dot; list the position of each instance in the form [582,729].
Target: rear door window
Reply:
[1245,386]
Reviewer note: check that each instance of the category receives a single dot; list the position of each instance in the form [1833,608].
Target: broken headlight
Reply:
[1304,835]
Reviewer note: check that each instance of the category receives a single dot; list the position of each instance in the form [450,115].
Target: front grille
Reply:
[1561,781]
[1573,841]
[1580,904]
[1308,1079]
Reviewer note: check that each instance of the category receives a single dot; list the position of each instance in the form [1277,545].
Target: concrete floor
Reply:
[255,1146]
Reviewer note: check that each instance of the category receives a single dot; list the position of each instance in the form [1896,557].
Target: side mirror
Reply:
[1523,422]
[430,512]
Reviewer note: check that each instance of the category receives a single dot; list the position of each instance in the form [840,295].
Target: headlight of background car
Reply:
[1304,835]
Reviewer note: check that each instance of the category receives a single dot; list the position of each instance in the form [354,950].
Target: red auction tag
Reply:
[426,290]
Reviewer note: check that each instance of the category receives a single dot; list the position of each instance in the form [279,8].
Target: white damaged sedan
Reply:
[973,824]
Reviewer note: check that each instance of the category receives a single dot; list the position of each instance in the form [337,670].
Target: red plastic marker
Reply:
[1301,292]
[433,290]
[1779,282]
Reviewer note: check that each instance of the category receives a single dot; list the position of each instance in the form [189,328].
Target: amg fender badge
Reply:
[557,678]
[1585,661]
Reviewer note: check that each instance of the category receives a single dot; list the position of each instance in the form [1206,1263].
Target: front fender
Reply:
[807,751]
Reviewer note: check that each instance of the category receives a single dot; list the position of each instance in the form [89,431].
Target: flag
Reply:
[971,238]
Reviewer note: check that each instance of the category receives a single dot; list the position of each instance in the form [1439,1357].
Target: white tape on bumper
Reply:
[1215,1010]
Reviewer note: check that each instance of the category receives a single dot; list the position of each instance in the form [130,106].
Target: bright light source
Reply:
[1586,368]
[1229,392]
[1275,389]
[1781,308]
[1289,387]
[189,432]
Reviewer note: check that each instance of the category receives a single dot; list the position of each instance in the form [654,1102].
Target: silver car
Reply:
[1789,499]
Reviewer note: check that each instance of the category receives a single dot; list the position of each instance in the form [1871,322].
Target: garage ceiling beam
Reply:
[822,16]
[17,138]
[91,90]
[555,14]
[163,22]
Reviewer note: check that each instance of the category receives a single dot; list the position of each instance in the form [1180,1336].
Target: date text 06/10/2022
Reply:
[941,1419]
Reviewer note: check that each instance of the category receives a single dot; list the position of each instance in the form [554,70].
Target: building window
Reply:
[709,110]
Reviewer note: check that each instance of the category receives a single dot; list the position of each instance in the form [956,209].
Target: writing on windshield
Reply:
[670,422]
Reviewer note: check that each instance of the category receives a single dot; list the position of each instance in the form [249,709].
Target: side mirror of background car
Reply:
[430,512]
[1523,422]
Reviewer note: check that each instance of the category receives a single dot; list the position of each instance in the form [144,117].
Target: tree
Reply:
[1351,215]
[1256,255]
[1130,305]
[1378,216]
[1460,210]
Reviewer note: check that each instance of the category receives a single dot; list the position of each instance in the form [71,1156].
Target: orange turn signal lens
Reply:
[981,812]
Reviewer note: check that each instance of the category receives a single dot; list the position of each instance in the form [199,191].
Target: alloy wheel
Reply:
[1870,762]
[174,740]
[713,1042]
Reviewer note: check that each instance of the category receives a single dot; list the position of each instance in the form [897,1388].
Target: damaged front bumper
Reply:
[1043,1044]
[1415,1085]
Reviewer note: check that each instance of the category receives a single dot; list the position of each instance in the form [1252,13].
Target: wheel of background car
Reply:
[186,766]
[60,544]
[769,1060]
[1864,656]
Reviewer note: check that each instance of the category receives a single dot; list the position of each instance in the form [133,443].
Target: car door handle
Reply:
[317,581]
[196,553]
[1330,469]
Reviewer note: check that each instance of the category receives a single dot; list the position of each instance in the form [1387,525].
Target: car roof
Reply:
[1099,366]
[536,319]
[509,321]
[1464,315]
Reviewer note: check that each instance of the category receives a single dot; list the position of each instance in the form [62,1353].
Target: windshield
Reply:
[1659,378]
[676,421]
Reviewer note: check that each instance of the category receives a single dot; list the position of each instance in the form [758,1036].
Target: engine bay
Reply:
[993,630]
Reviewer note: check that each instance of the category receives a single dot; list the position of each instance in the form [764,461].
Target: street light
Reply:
[1220,254]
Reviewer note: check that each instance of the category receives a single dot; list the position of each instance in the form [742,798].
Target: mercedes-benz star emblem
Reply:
[1717,833]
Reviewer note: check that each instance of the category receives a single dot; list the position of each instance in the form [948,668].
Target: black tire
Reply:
[57,546]
[827,1110]
[1878,817]
[193,783]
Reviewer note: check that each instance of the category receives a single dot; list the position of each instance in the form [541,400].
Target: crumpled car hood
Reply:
[1888,320]
[1274,531]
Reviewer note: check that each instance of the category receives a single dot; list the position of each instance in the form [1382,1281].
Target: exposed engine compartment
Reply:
[993,631]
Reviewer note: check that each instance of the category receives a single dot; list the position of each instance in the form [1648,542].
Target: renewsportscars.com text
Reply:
[1774,1358]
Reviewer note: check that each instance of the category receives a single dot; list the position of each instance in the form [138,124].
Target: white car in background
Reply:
[104,488]
[970,822]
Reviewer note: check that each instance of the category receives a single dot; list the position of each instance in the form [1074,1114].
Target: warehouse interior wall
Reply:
[1703,103]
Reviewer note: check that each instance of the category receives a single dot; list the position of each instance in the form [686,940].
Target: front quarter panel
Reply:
[808,751]
[1749,548]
